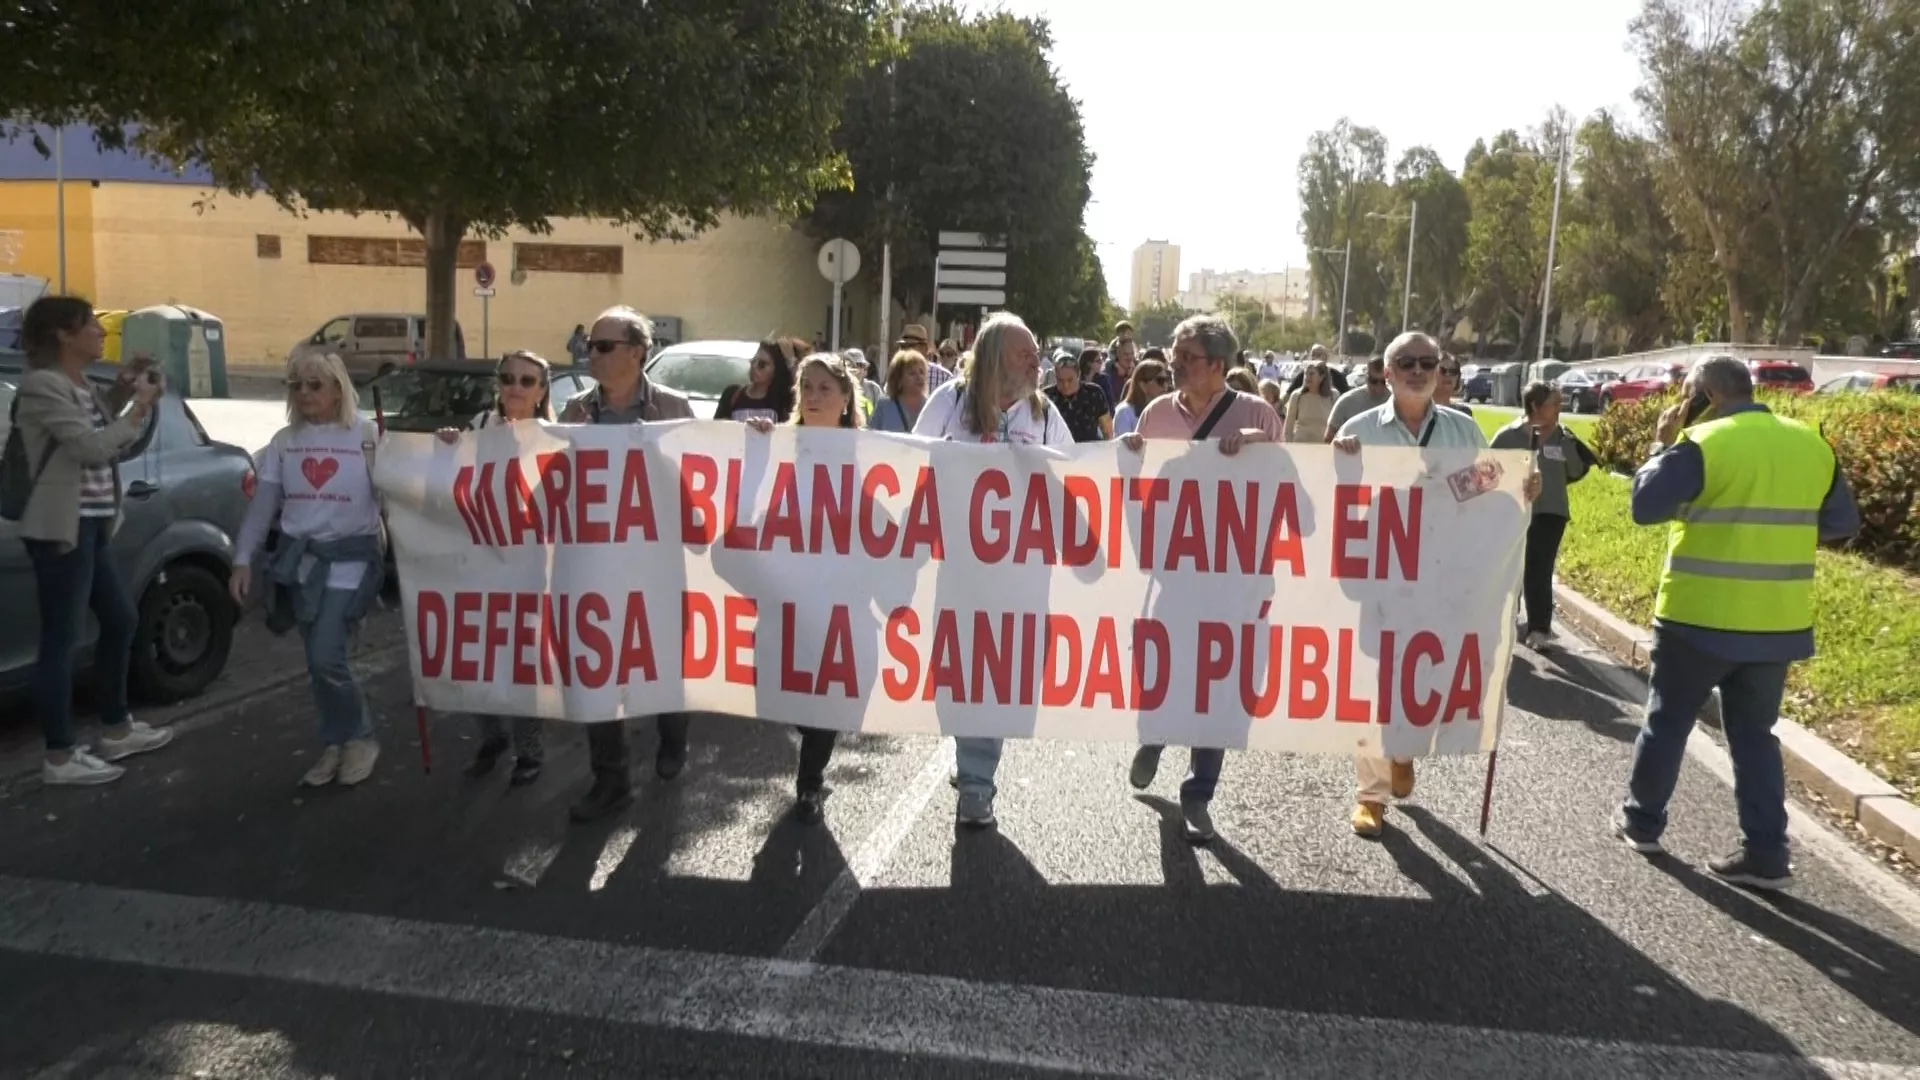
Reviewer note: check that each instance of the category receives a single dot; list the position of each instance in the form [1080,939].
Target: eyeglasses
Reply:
[604,347]
[1408,363]
[311,386]
[526,382]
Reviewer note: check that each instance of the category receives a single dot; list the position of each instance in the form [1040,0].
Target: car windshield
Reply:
[416,400]
[697,374]
[1782,373]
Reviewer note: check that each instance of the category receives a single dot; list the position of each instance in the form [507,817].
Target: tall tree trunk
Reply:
[443,234]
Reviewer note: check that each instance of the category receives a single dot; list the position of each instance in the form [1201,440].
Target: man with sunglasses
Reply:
[1361,398]
[618,348]
[1410,417]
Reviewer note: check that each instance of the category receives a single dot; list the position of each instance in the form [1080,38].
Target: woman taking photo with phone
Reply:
[1561,459]
[524,379]
[70,439]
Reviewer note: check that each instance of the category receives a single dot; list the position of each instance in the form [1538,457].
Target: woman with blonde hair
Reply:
[71,438]
[1309,406]
[829,396]
[525,394]
[326,572]
[905,394]
[1150,379]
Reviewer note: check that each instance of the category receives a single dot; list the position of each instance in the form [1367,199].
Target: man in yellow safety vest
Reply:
[1750,496]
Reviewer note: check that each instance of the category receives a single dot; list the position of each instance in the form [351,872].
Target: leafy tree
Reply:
[476,115]
[1153,324]
[1440,250]
[1342,179]
[1616,250]
[1509,187]
[972,131]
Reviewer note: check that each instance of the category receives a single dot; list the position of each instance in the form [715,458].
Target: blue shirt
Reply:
[1675,476]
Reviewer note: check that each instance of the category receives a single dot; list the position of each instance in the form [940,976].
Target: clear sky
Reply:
[1198,110]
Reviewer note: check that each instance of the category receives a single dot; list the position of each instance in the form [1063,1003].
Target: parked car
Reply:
[1867,381]
[1579,391]
[185,496]
[1642,380]
[702,370]
[373,343]
[1781,375]
[431,395]
[1901,350]
[1476,383]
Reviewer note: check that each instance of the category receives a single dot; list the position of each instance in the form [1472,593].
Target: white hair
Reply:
[328,366]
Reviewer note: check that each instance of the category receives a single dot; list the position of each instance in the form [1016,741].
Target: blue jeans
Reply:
[1683,677]
[343,708]
[976,760]
[67,583]
[1203,774]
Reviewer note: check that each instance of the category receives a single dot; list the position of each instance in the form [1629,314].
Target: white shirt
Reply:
[943,418]
[326,492]
[1443,429]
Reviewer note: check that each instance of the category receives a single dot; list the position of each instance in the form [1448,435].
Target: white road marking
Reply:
[870,860]
[1010,1026]
[612,854]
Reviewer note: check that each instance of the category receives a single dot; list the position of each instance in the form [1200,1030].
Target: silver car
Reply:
[372,343]
[184,497]
[702,370]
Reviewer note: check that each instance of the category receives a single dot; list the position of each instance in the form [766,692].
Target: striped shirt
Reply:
[98,498]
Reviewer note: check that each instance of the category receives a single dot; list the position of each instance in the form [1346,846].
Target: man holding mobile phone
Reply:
[1750,496]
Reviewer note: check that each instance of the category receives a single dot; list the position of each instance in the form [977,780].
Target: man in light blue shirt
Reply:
[1409,418]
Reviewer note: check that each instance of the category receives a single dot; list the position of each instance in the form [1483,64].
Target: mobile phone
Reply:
[1696,406]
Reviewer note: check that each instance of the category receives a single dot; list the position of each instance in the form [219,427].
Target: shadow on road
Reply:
[1565,687]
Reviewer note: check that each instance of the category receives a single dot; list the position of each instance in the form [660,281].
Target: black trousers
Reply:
[816,749]
[1536,583]
[607,743]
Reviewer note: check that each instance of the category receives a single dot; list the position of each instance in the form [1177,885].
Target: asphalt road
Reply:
[204,917]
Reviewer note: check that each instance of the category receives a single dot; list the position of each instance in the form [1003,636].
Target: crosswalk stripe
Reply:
[1013,1026]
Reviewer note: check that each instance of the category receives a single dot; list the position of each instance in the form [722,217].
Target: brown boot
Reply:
[1402,779]
[1369,819]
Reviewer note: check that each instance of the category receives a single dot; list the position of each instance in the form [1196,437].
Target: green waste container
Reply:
[187,344]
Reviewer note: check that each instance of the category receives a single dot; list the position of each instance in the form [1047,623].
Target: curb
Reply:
[1882,811]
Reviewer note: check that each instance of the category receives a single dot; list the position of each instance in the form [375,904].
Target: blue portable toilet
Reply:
[187,344]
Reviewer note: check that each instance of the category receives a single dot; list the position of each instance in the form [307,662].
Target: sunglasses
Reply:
[1408,363]
[604,347]
[525,382]
[311,386]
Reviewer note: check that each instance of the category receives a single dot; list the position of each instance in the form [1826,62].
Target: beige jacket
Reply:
[51,415]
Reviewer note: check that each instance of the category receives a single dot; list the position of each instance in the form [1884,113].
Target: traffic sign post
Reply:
[839,261]
[483,288]
[969,269]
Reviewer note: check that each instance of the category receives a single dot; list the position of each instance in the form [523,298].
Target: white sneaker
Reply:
[324,770]
[356,764]
[80,769]
[138,740]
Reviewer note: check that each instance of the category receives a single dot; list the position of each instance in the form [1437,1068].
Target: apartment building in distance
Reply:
[1287,294]
[1156,274]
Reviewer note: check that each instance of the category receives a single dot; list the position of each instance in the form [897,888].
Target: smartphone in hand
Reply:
[1696,407]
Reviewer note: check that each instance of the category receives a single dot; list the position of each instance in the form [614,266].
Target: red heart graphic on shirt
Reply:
[319,470]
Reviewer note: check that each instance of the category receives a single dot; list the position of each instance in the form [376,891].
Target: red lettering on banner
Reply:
[588,495]
[1149,494]
[1103,667]
[1082,509]
[1233,530]
[740,617]
[1423,646]
[636,501]
[499,605]
[523,517]
[783,511]
[1283,533]
[902,624]
[1399,533]
[1214,664]
[1150,635]
[1384,671]
[1258,699]
[591,615]
[556,487]
[792,679]
[1029,647]
[473,498]
[1347,528]
[1466,692]
[923,519]
[1063,662]
[877,543]
[466,605]
[526,635]
[1349,709]
[992,656]
[946,672]
[1036,528]
[738,536]
[636,642]
[1116,518]
[989,549]
[1189,530]
[836,655]
[555,646]
[699,481]
[1308,691]
[699,636]
[832,509]
[430,630]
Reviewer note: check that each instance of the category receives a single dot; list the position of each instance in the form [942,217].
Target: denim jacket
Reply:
[293,601]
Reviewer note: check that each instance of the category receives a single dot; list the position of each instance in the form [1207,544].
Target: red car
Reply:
[1642,380]
[1866,381]
[1780,375]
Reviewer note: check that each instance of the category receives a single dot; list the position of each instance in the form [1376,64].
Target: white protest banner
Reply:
[1287,598]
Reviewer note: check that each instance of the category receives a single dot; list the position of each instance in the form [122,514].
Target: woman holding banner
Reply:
[524,395]
[829,397]
[997,400]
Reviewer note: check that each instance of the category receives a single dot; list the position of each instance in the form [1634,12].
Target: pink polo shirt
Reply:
[1165,418]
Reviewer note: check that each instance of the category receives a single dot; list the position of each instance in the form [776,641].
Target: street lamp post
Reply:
[1412,218]
[886,242]
[1553,235]
[1346,265]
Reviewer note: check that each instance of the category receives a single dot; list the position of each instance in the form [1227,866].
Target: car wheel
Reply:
[184,634]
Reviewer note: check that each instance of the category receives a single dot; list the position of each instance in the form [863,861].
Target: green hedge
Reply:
[1875,436]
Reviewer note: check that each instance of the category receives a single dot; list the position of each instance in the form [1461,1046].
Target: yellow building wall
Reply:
[154,245]
[28,208]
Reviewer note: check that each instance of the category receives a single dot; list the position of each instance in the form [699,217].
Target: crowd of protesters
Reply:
[324,572]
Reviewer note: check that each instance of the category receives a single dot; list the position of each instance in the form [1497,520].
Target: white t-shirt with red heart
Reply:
[326,493]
